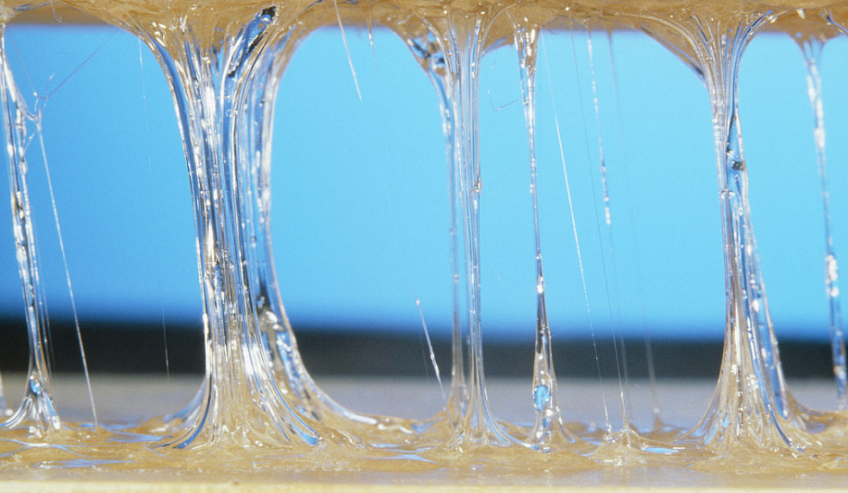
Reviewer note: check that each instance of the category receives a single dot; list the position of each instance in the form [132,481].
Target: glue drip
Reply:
[548,428]
[812,48]
[37,408]
[258,403]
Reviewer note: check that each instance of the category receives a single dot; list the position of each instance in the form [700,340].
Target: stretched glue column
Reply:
[428,50]
[750,403]
[450,52]
[549,431]
[224,65]
[210,55]
[36,411]
[209,78]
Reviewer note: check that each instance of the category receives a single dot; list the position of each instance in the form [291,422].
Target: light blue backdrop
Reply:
[360,191]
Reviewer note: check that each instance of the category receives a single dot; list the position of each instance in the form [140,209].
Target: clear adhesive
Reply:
[259,411]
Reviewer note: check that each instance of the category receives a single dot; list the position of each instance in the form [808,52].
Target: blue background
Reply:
[360,190]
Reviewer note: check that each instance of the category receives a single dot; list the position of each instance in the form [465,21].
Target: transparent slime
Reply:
[259,410]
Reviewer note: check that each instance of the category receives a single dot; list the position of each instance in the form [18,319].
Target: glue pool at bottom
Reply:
[126,399]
